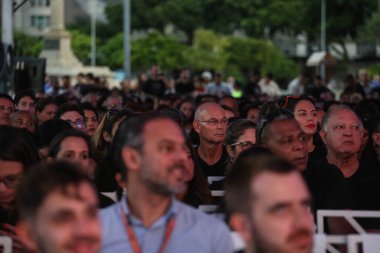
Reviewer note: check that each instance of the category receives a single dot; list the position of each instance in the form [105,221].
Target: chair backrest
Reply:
[348,215]
[6,243]
[370,243]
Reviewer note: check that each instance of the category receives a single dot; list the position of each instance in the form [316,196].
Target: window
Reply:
[40,22]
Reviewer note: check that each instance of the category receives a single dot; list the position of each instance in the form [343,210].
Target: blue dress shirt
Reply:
[194,231]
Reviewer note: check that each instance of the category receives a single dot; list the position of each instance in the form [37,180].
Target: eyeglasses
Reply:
[244,145]
[11,181]
[214,122]
[77,124]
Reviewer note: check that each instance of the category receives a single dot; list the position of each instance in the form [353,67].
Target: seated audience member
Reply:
[186,107]
[342,132]
[305,112]
[218,87]
[232,103]
[101,145]
[25,100]
[210,123]
[72,114]
[17,153]
[251,111]
[91,118]
[241,135]
[196,191]
[268,204]
[228,111]
[7,106]
[22,120]
[46,109]
[282,134]
[46,132]
[150,151]
[74,146]
[59,214]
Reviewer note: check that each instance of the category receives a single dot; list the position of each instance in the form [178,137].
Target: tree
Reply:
[26,45]
[81,46]
[370,31]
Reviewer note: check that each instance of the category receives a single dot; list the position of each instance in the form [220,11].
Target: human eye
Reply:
[302,113]
[167,148]
[92,212]
[68,155]
[213,122]
[314,114]
[338,127]
[62,217]
[280,210]
[2,107]
[302,138]
[355,127]
[85,156]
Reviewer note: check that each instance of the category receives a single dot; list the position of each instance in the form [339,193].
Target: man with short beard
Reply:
[268,204]
[58,215]
[150,151]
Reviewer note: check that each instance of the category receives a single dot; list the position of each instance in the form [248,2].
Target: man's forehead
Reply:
[163,129]
[344,115]
[286,125]
[5,101]
[270,187]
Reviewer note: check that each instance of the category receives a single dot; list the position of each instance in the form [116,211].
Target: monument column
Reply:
[57,15]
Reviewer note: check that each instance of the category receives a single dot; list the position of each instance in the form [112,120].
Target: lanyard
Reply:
[132,237]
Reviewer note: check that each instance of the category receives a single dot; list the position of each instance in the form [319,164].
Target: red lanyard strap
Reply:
[133,240]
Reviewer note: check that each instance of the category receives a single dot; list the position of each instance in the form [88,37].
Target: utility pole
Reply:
[323,37]
[93,32]
[127,38]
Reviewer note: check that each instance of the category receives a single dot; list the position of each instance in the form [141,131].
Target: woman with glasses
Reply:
[17,153]
[241,135]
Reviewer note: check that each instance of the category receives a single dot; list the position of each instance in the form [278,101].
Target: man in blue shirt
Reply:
[150,151]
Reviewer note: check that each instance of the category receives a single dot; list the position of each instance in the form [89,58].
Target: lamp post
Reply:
[127,38]
[93,33]
[323,37]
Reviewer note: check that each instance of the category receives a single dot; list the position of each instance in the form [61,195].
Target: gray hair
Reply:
[333,111]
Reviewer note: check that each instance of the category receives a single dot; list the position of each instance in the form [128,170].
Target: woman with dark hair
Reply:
[196,192]
[74,146]
[186,107]
[101,145]
[17,153]
[241,135]
[305,112]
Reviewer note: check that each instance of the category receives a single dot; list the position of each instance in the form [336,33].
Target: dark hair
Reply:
[249,106]
[42,103]
[248,165]
[267,120]
[55,145]
[236,129]
[290,102]
[68,108]
[17,145]
[47,130]
[6,96]
[175,115]
[332,111]
[88,106]
[198,192]
[130,133]
[24,93]
[44,179]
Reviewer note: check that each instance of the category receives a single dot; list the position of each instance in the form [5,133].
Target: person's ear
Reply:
[131,158]
[230,151]
[376,138]
[107,137]
[196,126]
[240,223]
[322,133]
[121,181]
[27,235]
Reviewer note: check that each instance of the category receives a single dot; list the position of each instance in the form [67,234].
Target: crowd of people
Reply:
[84,168]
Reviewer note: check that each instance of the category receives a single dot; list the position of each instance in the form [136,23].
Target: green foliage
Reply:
[112,53]
[26,45]
[374,70]
[246,54]
[81,46]
[370,31]
[208,51]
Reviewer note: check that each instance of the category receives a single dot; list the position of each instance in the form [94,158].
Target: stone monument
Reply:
[57,50]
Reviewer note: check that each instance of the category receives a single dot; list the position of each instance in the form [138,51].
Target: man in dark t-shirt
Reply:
[210,123]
